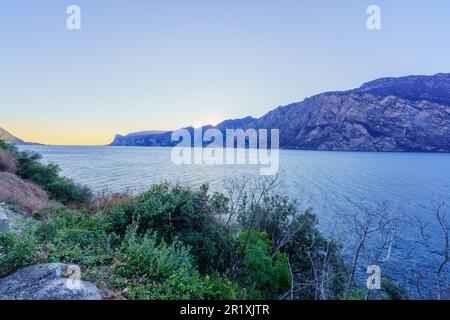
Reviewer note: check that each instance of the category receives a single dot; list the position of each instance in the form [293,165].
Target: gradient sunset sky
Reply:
[164,64]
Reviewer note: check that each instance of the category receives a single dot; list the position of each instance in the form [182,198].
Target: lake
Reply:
[331,183]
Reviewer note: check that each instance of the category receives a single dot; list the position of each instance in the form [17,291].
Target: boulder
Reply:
[47,282]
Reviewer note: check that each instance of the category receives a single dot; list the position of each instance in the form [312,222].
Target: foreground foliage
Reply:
[168,244]
[174,242]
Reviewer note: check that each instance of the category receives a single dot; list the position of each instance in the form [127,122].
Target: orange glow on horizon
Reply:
[89,134]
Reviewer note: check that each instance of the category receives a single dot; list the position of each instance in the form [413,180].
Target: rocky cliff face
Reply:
[140,139]
[390,114]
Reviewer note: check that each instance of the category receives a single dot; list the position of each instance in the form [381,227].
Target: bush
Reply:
[16,251]
[262,275]
[73,237]
[183,214]
[66,191]
[46,176]
[188,285]
[169,244]
[278,217]
[6,146]
[145,256]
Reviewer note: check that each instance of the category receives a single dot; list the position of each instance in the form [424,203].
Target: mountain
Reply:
[390,114]
[431,88]
[8,137]
[144,138]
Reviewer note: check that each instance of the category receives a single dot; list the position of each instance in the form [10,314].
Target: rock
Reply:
[4,222]
[46,282]
[18,221]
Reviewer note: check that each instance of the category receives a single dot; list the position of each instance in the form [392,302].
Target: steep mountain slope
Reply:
[8,137]
[361,122]
[390,114]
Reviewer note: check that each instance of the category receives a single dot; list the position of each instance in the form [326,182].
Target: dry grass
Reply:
[23,193]
[7,162]
[105,200]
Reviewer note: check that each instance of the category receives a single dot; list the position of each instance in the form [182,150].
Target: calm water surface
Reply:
[408,184]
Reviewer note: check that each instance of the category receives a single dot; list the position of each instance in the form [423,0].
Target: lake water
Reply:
[408,184]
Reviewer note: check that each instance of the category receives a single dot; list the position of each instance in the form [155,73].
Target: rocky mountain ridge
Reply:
[390,114]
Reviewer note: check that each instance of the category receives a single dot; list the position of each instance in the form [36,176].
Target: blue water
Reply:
[334,184]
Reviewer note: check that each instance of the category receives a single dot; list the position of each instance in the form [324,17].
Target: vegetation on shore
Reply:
[27,165]
[175,242]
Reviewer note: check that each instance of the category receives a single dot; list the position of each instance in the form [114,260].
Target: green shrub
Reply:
[221,288]
[278,217]
[186,284]
[16,251]
[169,243]
[6,146]
[68,192]
[259,272]
[73,237]
[183,214]
[48,177]
[359,294]
[40,174]
[182,285]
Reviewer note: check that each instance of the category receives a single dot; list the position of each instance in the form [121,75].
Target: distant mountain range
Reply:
[390,114]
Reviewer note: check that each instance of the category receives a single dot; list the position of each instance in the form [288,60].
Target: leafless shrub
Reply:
[441,256]
[107,200]
[378,225]
[313,261]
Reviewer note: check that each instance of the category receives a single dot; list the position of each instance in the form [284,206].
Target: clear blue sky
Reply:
[164,64]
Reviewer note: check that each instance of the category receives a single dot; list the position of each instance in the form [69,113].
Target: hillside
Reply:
[8,137]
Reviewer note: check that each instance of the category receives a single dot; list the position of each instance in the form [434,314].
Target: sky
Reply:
[165,64]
